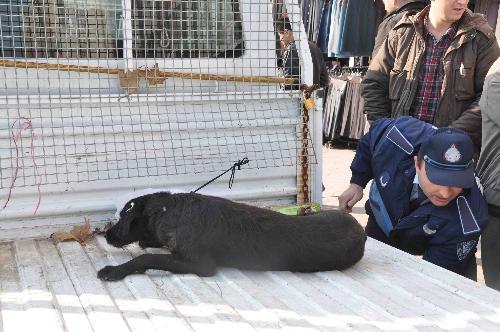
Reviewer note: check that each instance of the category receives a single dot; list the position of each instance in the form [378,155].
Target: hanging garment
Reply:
[334,102]
[343,111]
[339,12]
[352,28]
[353,119]
[324,26]
[315,19]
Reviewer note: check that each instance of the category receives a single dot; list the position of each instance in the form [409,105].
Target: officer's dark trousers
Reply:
[374,231]
[490,253]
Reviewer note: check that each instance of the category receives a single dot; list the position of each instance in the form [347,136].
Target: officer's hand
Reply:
[352,195]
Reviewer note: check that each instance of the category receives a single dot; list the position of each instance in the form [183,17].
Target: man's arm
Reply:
[375,84]
[470,120]
[361,166]
[490,99]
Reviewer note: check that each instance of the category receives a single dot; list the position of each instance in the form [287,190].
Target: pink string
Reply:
[24,124]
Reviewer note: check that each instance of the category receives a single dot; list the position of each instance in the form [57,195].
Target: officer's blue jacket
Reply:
[446,236]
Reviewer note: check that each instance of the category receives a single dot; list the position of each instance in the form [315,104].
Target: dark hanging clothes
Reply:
[352,28]
[312,11]
[324,27]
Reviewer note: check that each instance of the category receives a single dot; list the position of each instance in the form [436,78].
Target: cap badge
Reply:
[452,155]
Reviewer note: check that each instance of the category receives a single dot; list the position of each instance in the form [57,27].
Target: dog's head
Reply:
[132,225]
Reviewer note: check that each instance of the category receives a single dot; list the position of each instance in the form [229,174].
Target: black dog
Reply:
[203,232]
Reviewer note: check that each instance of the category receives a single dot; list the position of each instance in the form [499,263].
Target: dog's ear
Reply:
[131,212]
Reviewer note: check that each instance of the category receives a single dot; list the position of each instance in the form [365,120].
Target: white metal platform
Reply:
[54,288]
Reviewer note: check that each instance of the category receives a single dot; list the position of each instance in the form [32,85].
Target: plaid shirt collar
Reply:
[450,33]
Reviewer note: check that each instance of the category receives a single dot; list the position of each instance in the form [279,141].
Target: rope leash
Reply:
[231,179]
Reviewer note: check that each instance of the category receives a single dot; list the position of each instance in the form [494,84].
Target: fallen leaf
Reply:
[78,233]
[82,233]
[153,76]
[61,236]
[129,81]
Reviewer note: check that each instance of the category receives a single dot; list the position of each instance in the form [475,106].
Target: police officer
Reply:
[424,198]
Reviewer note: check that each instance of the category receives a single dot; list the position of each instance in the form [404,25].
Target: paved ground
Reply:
[336,176]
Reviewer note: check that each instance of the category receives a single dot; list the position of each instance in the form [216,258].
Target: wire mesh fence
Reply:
[95,90]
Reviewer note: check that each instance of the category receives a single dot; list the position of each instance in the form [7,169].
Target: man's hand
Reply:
[352,195]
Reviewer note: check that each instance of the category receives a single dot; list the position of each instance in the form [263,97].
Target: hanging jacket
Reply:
[446,236]
[390,85]
[407,6]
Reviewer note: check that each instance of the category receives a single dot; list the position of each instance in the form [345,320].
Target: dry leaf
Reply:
[129,81]
[78,233]
[62,236]
[153,76]
[81,233]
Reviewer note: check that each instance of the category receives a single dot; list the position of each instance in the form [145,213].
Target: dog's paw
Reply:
[111,273]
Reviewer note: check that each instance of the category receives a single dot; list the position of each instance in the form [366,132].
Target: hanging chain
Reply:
[303,176]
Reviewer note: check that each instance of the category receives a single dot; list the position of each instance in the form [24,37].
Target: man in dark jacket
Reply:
[489,172]
[395,10]
[290,56]
[432,66]
[424,198]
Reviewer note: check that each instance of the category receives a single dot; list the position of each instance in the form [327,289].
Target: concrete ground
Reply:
[336,176]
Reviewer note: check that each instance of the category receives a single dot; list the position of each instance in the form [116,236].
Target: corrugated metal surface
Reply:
[54,288]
